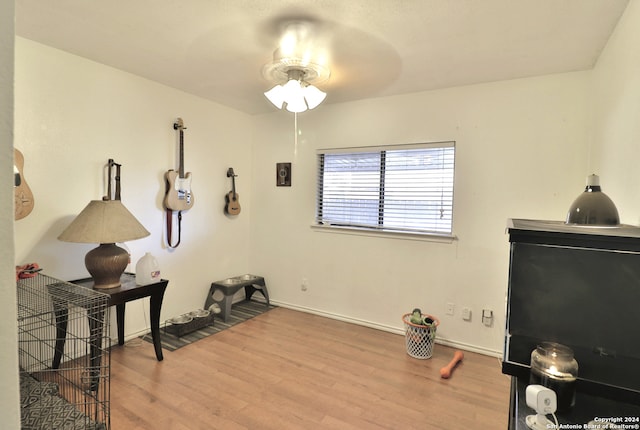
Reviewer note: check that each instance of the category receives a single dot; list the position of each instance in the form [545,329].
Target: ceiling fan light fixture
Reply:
[297,94]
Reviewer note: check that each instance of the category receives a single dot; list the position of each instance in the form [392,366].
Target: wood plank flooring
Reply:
[291,370]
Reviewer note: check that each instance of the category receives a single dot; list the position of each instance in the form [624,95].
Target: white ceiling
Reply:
[216,48]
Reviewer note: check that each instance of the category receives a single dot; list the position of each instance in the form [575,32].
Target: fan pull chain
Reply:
[295,134]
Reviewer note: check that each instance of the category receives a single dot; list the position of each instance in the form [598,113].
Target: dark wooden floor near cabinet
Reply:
[288,370]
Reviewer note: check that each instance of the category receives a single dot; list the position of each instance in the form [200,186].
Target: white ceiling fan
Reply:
[298,63]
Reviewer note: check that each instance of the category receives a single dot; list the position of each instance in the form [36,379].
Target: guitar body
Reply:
[179,196]
[233,203]
[23,196]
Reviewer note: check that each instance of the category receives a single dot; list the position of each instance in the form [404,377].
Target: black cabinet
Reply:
[578,286]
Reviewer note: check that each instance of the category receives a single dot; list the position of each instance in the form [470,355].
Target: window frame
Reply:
[380,229]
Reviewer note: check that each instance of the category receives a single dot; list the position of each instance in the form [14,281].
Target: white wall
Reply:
[72,115]
[521,153]
[616,101]
[9,391]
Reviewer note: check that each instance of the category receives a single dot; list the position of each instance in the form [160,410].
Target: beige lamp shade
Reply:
[105,222]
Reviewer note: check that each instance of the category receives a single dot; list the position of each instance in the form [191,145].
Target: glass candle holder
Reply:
[553,366]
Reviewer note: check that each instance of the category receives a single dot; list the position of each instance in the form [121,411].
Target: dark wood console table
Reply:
[130,291]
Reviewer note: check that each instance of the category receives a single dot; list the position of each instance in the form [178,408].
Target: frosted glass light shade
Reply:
[292,90]
[296,96]
[313,96]
[276,96]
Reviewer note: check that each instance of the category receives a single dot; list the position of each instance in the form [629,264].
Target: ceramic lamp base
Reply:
[106,263]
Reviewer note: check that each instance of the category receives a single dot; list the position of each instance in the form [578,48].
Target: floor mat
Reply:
[240,312]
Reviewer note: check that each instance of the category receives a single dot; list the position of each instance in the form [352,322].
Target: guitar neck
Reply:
[181,166]
[179,125]
[233,186]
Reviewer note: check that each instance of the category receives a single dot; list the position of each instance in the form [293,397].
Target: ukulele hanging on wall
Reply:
[232,198]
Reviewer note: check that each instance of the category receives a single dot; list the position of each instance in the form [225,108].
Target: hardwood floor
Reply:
[288,370]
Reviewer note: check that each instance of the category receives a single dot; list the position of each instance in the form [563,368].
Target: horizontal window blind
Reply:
[408,189]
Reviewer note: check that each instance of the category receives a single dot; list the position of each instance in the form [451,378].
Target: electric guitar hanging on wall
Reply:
[232,198]
[179,196]
[23,196]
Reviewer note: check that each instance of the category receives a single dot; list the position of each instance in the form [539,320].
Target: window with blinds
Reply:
[406,188]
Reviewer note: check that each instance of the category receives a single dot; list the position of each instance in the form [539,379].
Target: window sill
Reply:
[393,234]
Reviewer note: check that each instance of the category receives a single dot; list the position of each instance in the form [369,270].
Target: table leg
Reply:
[156,305]
[120,322]
[62,318]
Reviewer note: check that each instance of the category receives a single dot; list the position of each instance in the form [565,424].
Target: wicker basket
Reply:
[420,338]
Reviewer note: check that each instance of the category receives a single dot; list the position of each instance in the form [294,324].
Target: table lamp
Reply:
[105,222]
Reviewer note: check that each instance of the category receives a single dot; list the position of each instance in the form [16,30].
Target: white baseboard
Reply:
[395,330]
[132,336]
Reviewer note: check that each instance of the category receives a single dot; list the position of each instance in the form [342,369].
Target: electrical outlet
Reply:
[450,308]
[466,314]
[304,285]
